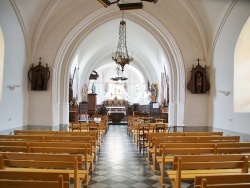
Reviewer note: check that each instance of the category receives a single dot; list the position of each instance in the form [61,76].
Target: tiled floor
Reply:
[121,165]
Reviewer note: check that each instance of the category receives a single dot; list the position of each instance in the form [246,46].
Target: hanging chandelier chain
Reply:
[121,56]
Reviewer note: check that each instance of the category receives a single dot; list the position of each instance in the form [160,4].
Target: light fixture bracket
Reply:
[107,3]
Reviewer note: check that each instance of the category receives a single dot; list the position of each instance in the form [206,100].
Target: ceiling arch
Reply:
[140,43]
[167,46]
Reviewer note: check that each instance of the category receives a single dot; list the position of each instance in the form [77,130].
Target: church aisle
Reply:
[121,165]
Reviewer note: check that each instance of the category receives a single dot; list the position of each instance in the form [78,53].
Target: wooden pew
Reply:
[185,139]
[172,149]
[222,181]
[43,137]
[193,139]
[137,130]
[16,179]
[151,136]
[38,162]
[48,132]
[184,149]
[75,126]
[21,137]
[187,167]
[84,149]
[97,134]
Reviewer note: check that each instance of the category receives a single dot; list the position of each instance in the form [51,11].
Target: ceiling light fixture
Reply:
[119,74]
[130,6]
[126,6]
[121,56]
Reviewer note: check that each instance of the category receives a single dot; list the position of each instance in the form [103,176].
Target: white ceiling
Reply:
[51,20]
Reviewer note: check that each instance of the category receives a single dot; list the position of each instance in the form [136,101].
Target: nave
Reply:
[121,165]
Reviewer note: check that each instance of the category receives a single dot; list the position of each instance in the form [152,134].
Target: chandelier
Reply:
[118,74]
[121,56]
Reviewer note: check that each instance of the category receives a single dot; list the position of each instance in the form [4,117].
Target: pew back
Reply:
[186,167]
[37,162]
[222,181]
[15,179]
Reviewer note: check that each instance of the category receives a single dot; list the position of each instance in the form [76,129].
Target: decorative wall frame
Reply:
[198,83]
[39,76]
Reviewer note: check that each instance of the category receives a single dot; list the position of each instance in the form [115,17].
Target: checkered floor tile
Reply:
[121,165]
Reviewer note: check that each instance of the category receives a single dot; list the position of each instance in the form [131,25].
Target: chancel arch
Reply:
[167,48]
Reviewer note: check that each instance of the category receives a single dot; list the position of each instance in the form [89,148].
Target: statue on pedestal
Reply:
[93,88]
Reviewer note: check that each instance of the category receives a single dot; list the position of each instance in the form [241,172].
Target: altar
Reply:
[116,113]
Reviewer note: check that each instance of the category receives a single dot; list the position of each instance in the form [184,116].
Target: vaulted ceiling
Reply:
[48,23]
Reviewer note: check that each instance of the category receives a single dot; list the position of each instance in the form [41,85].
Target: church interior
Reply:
[123,70]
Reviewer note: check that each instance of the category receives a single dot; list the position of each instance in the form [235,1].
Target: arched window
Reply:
[1,64]
[242,70]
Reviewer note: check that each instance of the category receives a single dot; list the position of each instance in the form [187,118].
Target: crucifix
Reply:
[198,60]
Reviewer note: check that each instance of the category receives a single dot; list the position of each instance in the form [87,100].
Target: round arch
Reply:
[170,51]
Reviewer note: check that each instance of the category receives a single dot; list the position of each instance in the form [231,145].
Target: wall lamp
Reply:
[12,87]
[226,93]
[107,3]
[130,6]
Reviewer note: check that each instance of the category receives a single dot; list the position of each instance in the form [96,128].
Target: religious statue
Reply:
[106,87]
[125,85]
[85,92]
[153,93]
[198,83]
[93,88]
[148,85]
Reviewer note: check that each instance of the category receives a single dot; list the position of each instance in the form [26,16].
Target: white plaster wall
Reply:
[43,110]
[221,112]
[13,112]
